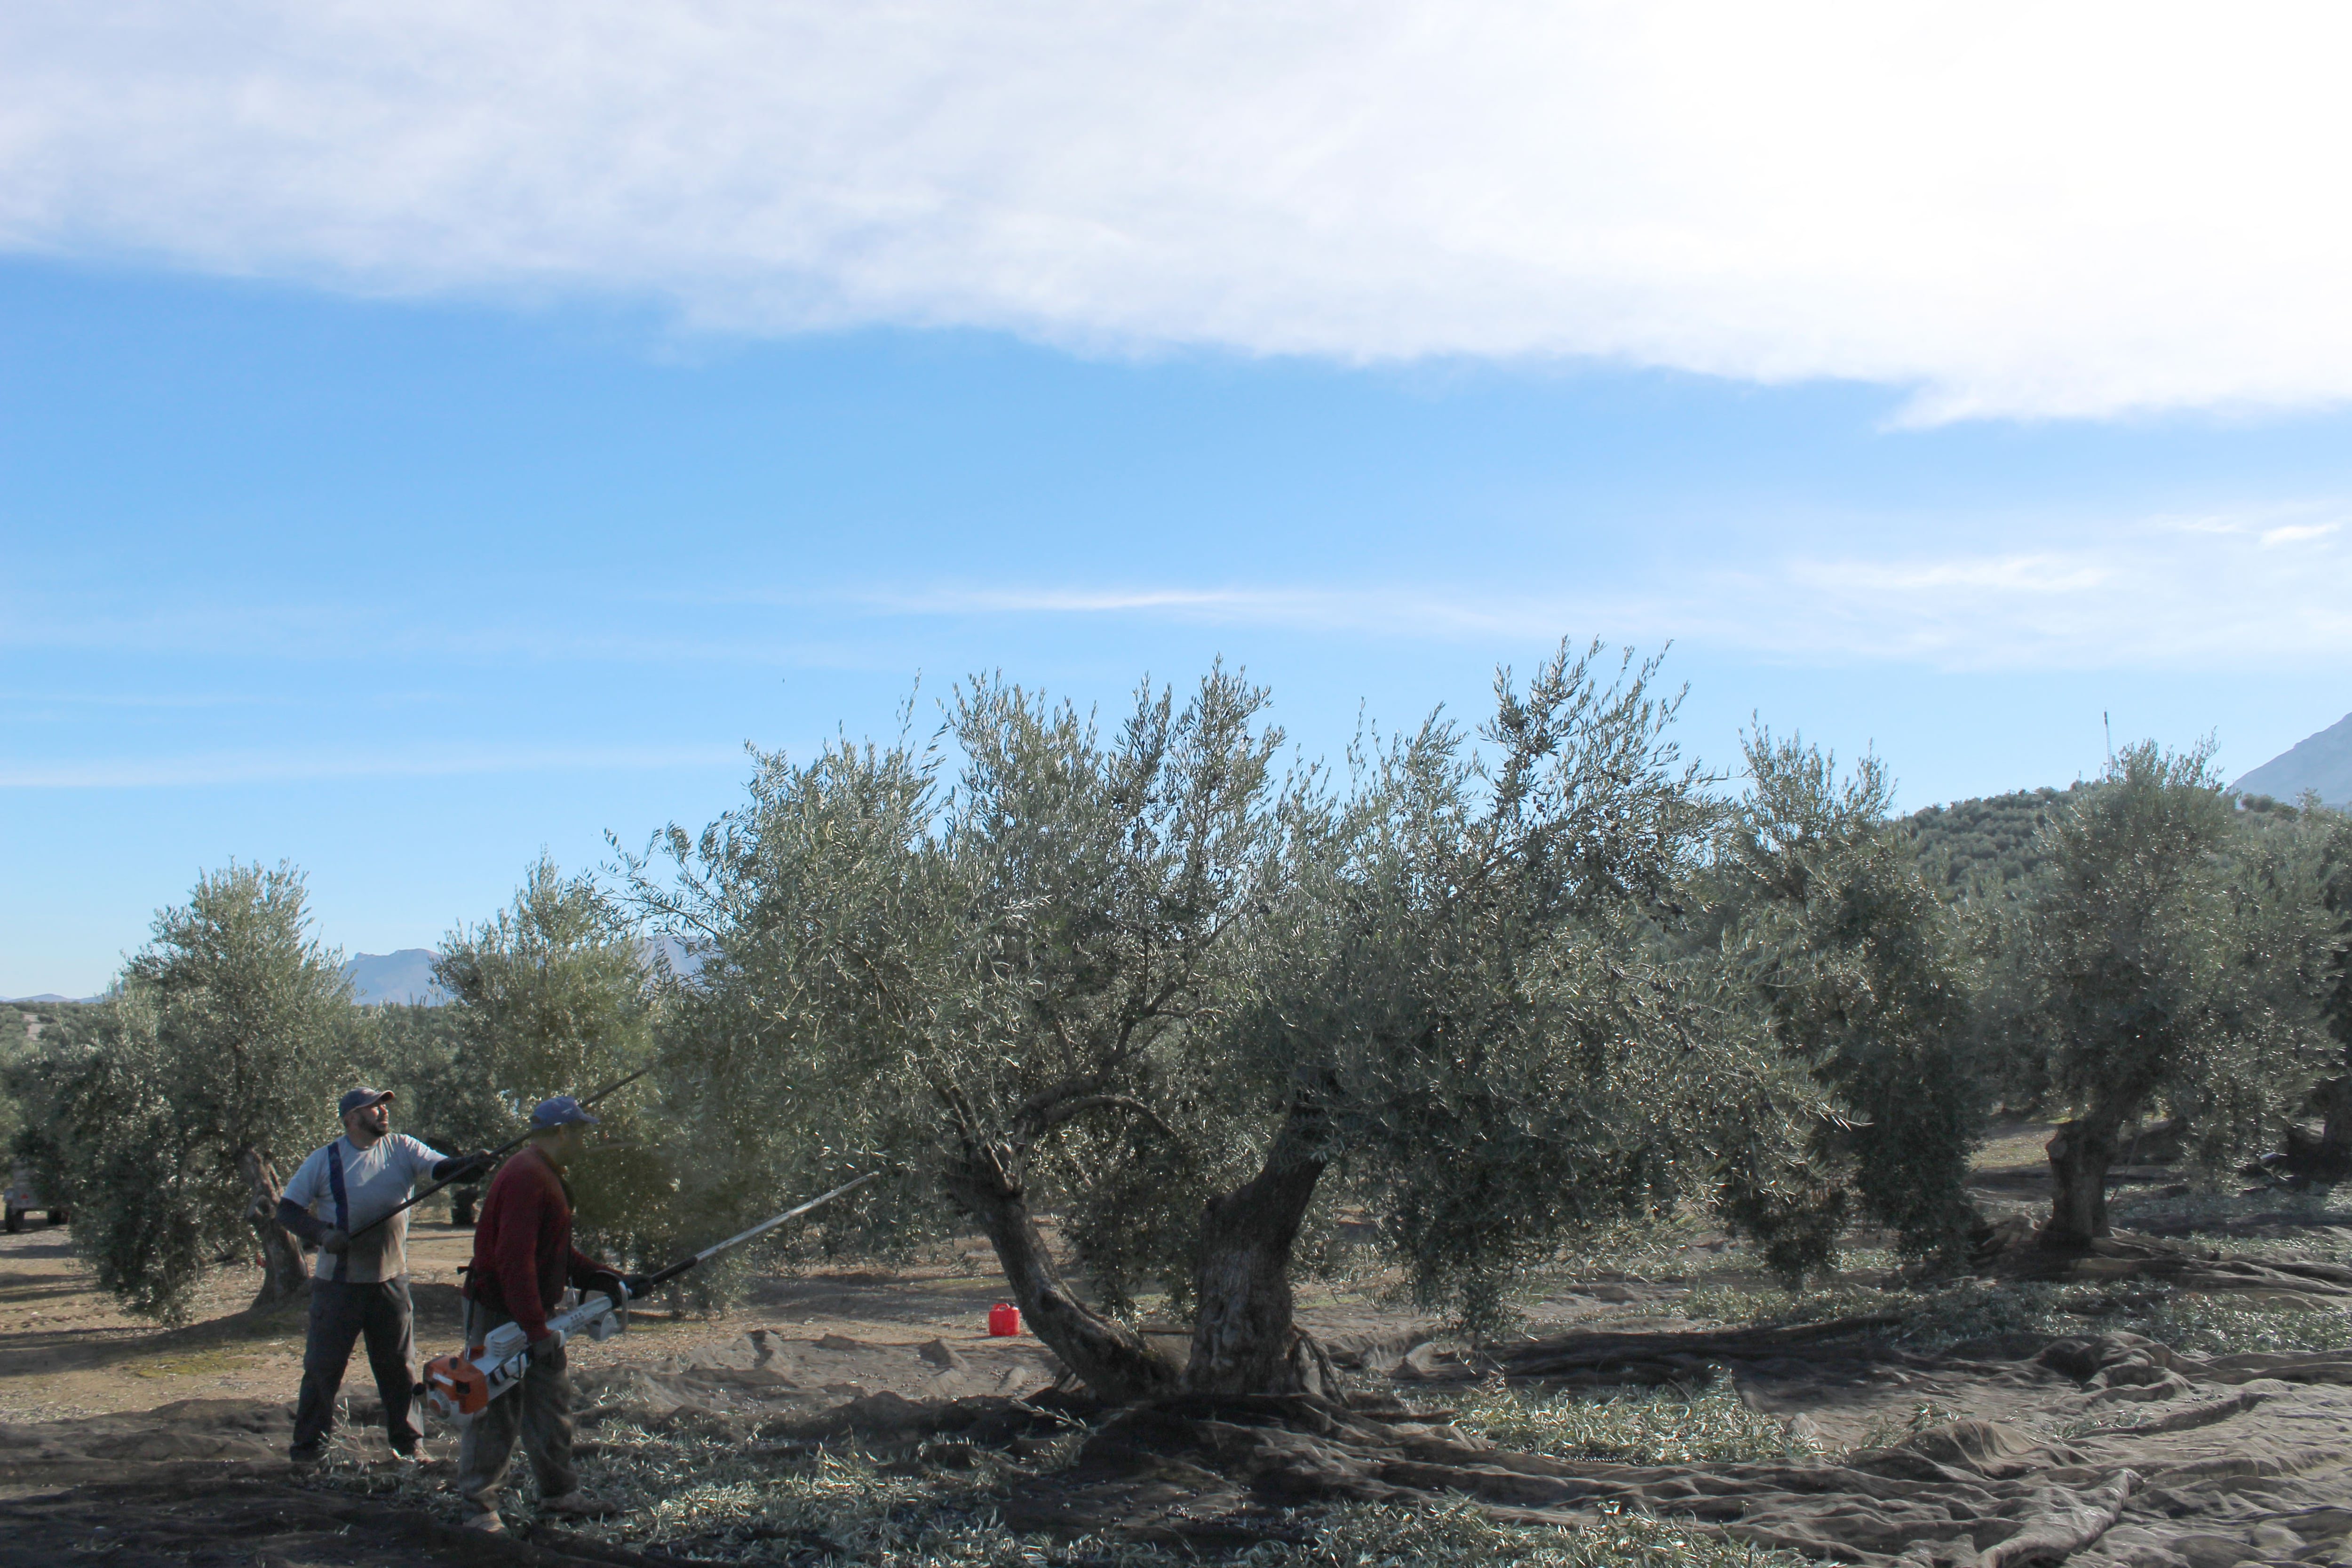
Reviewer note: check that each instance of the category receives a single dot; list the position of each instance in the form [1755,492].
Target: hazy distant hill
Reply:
[1992,837]
[407,975]
[2321,762]
[402,976]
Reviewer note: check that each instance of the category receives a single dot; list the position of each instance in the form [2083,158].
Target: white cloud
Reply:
[2016,208]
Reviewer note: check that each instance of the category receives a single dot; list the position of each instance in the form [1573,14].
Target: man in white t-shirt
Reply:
[362,1284]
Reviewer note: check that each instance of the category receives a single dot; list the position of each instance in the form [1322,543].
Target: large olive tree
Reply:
[1143,978]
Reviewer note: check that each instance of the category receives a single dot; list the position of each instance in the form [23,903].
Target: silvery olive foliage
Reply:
[1468,991]
[552,995]
[898,966]
[222,1039]
[1816,901]
[2160,962]
[1032,961]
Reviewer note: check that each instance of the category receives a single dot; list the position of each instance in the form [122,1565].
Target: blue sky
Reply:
[401,520]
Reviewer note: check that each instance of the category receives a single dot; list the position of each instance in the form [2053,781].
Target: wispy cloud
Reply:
[2014,207]
[2296,534]
[2152,595]
[295,766]
[2229,589]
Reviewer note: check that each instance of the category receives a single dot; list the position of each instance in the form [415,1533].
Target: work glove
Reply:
[547,1350]
[640,1286]
[464,1167]
[335,1241]
[609,1281]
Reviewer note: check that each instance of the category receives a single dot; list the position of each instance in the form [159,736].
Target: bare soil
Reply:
[146,1446]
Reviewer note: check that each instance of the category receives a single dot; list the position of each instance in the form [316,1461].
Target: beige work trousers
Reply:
[539,1409]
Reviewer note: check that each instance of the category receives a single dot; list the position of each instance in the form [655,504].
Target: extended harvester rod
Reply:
[665,1276]
[510,1146]
[461,1385]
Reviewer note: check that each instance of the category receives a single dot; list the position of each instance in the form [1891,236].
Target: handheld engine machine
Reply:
[460,1387]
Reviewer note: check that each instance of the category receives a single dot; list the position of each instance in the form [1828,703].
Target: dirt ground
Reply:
[67,1351]
[145,1445]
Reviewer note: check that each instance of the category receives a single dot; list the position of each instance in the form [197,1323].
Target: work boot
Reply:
[488,1522]
[577,1504]
[306,1459]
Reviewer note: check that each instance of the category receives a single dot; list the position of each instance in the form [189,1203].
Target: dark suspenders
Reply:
[342,1199]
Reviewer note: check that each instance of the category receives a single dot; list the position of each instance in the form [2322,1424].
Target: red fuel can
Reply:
[1004,1320]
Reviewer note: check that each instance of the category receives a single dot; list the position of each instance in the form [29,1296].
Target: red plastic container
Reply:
[1004,1320]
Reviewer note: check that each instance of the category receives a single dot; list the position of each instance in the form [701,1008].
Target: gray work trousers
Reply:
[341,1312]
[539,1409]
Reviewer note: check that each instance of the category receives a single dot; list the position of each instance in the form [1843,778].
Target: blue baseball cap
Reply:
[557,1111]
[360,1098]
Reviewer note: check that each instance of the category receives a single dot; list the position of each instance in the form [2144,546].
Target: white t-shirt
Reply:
[346,1186]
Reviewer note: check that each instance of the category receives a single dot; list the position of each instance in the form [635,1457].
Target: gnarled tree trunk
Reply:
[1111,1359]
[284,1275]
[1245,1340]
[2335,1098]
[2080,1153]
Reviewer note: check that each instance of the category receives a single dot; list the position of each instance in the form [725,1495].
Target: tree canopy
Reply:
[215,1061]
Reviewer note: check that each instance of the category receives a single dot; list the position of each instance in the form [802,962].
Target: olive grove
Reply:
[1164,1011]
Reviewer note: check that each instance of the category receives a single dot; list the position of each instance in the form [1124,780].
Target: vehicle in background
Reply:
[24,1197]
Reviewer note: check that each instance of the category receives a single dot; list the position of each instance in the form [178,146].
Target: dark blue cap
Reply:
[360,1100]
[556,1111]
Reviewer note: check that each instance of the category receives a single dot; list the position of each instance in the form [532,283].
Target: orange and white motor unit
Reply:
[457,1387]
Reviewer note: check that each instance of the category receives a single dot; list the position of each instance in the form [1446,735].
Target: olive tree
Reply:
[970,985]
[1818,904]
[2324,838]
[216,1059]
[1462,1011]
[552,996]
[2156,962]
[1143,978]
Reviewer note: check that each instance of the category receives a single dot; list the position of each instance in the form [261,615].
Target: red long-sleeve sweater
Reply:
[523,1255]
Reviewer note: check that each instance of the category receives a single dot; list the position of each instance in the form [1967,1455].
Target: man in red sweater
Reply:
[523,1257]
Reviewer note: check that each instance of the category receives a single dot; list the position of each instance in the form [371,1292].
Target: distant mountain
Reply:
[47,996]
[402,976]
[2322,763]
[407,975]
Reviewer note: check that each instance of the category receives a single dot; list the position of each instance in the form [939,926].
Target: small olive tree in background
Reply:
[2158,961]
[550,995]
[215,1061]
[1817,904]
